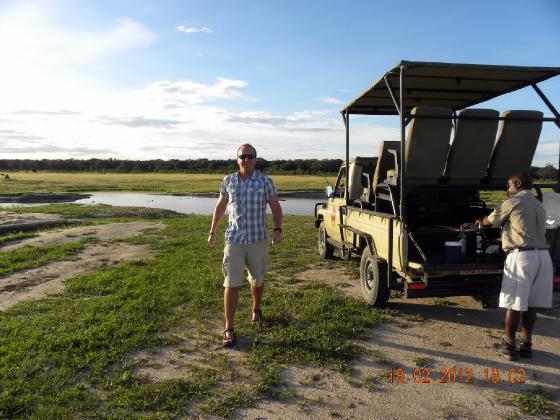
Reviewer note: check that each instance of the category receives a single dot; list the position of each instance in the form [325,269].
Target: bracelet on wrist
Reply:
[277,229]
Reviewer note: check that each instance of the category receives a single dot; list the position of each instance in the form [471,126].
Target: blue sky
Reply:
[189,79]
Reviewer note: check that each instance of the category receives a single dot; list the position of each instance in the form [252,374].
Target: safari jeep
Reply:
[409,211]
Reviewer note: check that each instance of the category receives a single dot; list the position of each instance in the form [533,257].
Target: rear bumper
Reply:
[460,286]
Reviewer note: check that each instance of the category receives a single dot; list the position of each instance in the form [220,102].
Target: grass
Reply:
[378,357]
[443,302]
[34,256]
[26,182]
[69,355]
[100,213]
[16,236]
[422,362]
[535,401]
[370,382]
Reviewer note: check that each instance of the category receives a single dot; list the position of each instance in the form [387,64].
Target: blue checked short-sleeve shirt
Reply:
[247,201]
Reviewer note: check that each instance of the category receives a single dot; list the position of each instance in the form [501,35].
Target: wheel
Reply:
[373,279]
[326,250]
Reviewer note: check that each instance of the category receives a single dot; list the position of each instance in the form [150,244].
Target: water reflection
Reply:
[185,204]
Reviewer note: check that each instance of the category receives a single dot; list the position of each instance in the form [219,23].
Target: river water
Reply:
[180,203]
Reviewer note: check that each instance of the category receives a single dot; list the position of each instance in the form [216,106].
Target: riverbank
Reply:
[40,198]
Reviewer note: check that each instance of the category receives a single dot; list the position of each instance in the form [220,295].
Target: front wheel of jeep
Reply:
[326,250]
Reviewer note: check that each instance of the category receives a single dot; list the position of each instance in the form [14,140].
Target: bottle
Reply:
[463,241]
[479,239]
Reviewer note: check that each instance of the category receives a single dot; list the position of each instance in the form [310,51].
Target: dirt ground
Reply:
[460,335]
[452,333]
[49,279]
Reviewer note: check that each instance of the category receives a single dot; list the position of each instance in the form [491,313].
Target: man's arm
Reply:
[500,214]
[219,210]
[484,221]
[277,217]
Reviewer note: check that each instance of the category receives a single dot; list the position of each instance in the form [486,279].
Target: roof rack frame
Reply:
[398,96]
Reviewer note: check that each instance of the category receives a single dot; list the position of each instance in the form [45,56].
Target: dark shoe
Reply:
[525,349]
[257,317]
[508,350]
[229,337]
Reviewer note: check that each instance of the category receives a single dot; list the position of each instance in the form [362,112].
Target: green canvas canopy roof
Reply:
[449,85]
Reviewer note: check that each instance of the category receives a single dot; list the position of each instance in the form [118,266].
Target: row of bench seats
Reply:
[475,156]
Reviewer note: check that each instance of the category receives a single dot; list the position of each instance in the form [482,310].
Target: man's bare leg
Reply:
[511,322]
[528,320]
[256,293]
[231,298]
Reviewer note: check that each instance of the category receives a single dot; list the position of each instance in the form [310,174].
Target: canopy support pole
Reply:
[392,93]
[402,166]
[548,104]
[346,116]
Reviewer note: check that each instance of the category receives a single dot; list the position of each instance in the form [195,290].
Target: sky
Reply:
[186,79]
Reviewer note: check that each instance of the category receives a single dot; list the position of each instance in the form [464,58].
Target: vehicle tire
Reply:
[326,250]
[373,279]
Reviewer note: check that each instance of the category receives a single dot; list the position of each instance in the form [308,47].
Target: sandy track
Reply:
[458,336]
[100,232]
[49,279]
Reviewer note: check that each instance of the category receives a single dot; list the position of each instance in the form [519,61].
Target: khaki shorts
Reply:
[237,257]
[527,280]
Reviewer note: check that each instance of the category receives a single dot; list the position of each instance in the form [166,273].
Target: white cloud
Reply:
[188,91]
[330,101]
[192,29]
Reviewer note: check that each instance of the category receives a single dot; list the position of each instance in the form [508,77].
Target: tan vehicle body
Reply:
[408,210]
[368,222]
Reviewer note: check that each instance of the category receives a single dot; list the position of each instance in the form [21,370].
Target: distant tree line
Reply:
[284,166]
[292,166]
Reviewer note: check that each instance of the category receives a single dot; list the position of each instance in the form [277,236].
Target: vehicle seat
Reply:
[355,182]
[426,147]
[515,145]
[385,161]
[470,151]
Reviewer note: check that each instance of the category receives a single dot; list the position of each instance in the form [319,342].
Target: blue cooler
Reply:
[452,252]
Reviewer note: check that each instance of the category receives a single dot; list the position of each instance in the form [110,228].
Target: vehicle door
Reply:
[335,202]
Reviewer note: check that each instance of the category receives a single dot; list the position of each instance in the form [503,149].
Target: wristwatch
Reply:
[277,229]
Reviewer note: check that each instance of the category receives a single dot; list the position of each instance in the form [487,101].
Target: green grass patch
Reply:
[16,236]
[378,357]
[99,213]
[443,302]
[536,401]
[35,256]
[422,362]
[369,382]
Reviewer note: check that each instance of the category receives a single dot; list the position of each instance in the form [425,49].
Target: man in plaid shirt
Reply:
[245,195]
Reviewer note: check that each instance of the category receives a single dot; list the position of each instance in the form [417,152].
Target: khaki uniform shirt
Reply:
[522,219]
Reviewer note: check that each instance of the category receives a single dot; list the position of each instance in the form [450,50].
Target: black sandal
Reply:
[257,317]
[229,339]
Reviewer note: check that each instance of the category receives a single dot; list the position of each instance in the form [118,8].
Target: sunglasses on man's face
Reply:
[243,157]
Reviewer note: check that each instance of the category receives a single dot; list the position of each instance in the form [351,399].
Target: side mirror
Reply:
[329,191]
